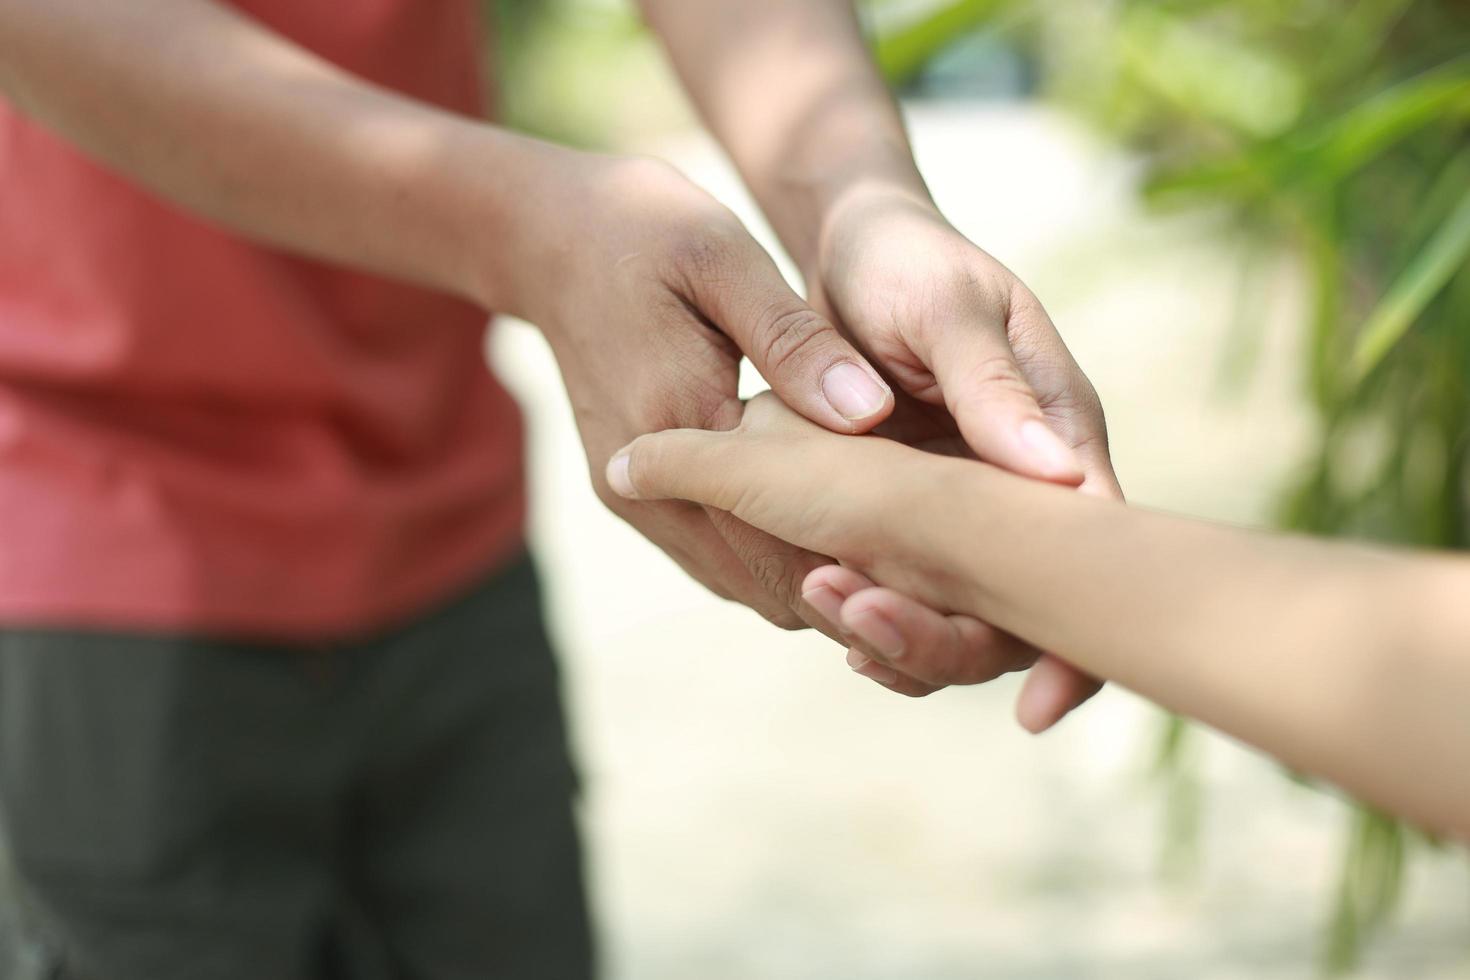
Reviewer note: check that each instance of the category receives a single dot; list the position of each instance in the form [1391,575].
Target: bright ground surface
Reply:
[757,811]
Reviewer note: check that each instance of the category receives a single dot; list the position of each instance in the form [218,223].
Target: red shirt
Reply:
[201,434]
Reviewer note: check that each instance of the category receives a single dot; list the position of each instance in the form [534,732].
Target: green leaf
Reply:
[1208,73]
[903,51]
[1370,888]
[1175,766]
[1372,126]
[1446,254]
[1333,150]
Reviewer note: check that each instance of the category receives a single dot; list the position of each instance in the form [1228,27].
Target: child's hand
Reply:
[909,648]
[868,502]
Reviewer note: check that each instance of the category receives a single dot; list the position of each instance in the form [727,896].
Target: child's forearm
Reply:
[1345,662]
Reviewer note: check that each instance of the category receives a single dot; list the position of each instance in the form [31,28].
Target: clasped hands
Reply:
[909,332]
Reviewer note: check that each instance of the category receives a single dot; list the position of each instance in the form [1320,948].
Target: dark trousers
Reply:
[398,808]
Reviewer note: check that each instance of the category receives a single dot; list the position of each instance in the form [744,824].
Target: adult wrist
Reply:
[806,199]
[856,208]
[511,212]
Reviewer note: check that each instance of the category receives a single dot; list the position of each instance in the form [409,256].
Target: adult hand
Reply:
[875,504]
[980,369]
[649,292]
[883,509]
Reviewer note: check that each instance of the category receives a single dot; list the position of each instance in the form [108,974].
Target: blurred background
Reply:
[1251,221]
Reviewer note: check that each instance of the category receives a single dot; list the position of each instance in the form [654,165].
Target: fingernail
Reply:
[870,669]
[825,600]
[874,629]
[853,392]
[875,671]
[618,477]
[1056,458]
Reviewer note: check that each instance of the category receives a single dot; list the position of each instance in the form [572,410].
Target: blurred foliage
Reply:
[580,72]
[905,41]
[1340,128]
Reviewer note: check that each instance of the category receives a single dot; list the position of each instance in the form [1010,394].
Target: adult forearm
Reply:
[217,114]
[790,89]
[1344,662]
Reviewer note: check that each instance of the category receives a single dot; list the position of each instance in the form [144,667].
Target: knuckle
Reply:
[983,671]
[786,336]
[784,619]
[707,246]
[699,255]
[1092,440]
[779,576]
[1064,387]
[998,376]
[1080,410]
[1023,658]
[944,672]
[963,290]
[953,670]
[661,400]
[1033,340]
[982,289]
[1023,306]
[1089,405]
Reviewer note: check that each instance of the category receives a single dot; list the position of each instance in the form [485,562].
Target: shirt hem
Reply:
[310,624]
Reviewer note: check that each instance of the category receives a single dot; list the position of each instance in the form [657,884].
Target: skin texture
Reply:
[981,372]
[977,366]
[648,290]
[670,292]
[1345,662]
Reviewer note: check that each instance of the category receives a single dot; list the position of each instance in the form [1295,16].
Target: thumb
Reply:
[765,482]
[995,408]
[806,361]
[682,464]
